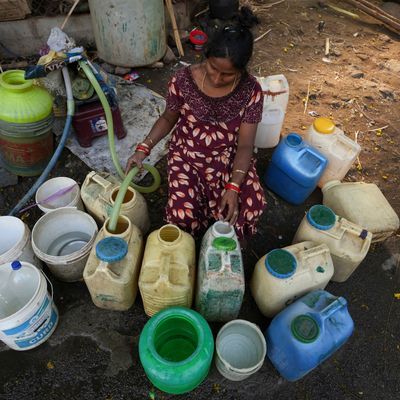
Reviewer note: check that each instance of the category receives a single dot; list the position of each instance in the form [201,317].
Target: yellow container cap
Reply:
[324,125]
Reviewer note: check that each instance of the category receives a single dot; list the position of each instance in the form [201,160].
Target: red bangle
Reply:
[143,149]
[232,186]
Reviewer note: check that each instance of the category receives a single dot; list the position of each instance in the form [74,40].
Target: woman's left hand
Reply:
[229,206]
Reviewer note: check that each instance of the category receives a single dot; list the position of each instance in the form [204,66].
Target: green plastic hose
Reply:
[112,225]
[111,143]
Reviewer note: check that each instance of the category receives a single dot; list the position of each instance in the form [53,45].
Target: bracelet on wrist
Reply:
[232,186]
[143,148]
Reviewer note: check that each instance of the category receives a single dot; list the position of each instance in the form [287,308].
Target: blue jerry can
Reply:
[308,332]
[295,169]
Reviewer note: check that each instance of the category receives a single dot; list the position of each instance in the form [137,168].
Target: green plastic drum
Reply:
[26,122]
[176,349]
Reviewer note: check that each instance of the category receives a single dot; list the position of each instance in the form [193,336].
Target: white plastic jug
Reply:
[331,141]
[276,95]
[28,315]
[112,269]
[220,275]
[364,204]
[348,243]
[99,192]
[283,275]
[168,270]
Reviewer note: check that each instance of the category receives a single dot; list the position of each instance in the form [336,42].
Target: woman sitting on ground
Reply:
[216,106]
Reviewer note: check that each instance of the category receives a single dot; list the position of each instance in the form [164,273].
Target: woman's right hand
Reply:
[136,159]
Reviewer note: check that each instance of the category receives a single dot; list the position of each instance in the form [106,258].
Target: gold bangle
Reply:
[240,171]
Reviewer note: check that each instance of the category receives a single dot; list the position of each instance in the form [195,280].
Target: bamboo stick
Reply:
[364,6]
[379,10]
[69,14]
[178,42]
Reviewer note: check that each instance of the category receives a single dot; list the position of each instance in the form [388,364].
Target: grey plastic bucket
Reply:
[240,350]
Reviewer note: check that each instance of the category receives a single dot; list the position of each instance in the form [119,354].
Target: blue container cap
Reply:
[111,249]
[15,265]
[293,139]
[280,263]
[321,217]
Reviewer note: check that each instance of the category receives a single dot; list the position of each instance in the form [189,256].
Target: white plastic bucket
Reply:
[15,242]
[240,350]
[34,323]
[71,234]
[71,198]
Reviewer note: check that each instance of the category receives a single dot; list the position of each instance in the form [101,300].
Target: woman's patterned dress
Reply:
[202,150]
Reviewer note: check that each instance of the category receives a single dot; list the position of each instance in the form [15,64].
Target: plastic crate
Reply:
[14,9]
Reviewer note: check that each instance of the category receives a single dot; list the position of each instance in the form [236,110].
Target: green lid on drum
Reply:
[321,217]
[280,263]
[305,329]
[224,244]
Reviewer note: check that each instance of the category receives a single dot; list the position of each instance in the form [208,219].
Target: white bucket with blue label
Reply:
[28,315]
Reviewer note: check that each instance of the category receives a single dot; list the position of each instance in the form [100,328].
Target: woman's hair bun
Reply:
[247,18]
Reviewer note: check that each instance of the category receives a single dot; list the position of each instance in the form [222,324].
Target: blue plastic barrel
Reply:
[295,169]
[307,332]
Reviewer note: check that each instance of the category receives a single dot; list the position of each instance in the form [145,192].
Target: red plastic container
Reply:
[89,122]
[198,39]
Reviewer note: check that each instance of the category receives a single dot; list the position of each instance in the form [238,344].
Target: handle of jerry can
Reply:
[103,267]
[100,180]
[332,308]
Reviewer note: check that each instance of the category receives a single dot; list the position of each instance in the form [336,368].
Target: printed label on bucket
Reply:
[98,124]
[36,329]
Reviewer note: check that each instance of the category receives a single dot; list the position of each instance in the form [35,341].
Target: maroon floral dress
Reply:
[202,150]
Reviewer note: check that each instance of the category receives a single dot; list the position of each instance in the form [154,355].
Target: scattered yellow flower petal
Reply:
[285,49]
[216,387]
[397,296]
[379,132]
[384,176]
[50,365]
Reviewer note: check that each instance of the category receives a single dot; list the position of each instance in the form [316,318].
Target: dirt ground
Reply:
[358,86]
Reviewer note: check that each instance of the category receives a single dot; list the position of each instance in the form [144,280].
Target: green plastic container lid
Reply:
[305,329]
[280,263]
[321,217]
[224,244]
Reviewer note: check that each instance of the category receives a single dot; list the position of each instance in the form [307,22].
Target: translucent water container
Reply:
[99,192]
[348,243]
[168,270]
[364,204]
[112,270]
[220,275]
[295,169]
[28,315]
[308,332]
[284,275]
[276,95]
[339,150]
